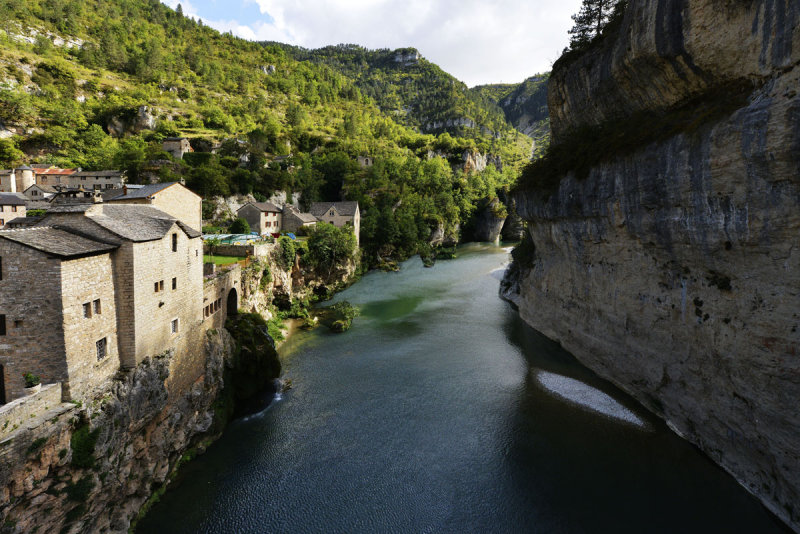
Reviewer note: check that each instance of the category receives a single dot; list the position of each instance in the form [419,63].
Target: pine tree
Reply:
[590,21]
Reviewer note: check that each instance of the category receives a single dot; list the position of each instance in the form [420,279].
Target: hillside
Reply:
[524,105]
[100,83]
[413,90]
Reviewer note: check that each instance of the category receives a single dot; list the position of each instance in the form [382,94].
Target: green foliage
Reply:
[9,153]
[80,490]
[329,247]
[82,444]
[285,253]
[31,380]
[36,445]
[339,317]
[240,226]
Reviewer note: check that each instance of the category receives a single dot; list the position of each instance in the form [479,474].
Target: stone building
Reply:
[102,180]
[38,192]
[16,180]
[177,146]
[93,288]
[293,219]
[263,217]
[339,214]
[12,206]
[172,198]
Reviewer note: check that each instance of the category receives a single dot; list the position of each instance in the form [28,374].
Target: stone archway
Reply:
[232,303]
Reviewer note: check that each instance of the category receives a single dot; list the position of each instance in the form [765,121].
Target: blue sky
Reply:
[477,41]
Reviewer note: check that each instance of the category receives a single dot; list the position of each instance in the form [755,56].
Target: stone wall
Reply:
[154,262]
[34,341]
[88,282]
[242,251]
[182,204]
[21,411]
[217,295]
[9,213]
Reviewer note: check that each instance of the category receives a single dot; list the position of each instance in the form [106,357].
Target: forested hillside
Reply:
[100,83]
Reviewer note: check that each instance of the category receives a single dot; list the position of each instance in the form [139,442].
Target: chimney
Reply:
[124,189]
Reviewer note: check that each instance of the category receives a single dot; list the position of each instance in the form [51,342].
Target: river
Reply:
[441,411]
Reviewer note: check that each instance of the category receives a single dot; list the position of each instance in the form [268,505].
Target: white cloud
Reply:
[476,41]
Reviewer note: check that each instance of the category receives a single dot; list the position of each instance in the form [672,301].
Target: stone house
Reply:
[263,217]
[38,192]
[50,175]
[172,198]
[339,214]
[293,219]
[12,206]
[97,180]
[177,146]
[93,288]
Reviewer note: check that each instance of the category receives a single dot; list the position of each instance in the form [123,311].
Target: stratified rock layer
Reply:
[674,271]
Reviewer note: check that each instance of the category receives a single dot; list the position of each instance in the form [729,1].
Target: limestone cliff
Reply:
[673,267]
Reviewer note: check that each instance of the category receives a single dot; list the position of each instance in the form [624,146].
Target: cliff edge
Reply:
[672,266]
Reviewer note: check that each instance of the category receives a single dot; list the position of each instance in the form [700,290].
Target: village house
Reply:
[50,176]
[12,206]
[92,288]
[38,192]
[177,146]
[339,214]
[95,179]
[263,217]
[293,220]
[172,198]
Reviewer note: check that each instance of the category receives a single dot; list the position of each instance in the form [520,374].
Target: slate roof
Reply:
[70,208]
[56,241]
[305,217]
[12,199]
[145,191]
[98,173]
[21,222]
[265,206]
[348,208]
[138,223]
[44,187]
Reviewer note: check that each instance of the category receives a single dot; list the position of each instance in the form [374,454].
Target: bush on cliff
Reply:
[329,247]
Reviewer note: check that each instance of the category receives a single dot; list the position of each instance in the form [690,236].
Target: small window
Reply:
[161,285]
[155,287]
[2,325]
[174,284]
[196,253]
[101,349]
[18,323]
[96,306]
[173,326]
[331,213]
[87,310]
[13,208]
[174,242]
[2,222]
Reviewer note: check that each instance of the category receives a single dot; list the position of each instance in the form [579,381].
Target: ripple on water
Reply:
[586,396]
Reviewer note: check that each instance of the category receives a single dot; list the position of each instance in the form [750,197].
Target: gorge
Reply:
[668,262]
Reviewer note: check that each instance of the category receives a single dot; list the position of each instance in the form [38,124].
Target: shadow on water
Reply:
[658,472]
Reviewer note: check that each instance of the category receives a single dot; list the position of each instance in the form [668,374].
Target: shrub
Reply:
[240,226]
[82,444]
[285,253]
[31,380]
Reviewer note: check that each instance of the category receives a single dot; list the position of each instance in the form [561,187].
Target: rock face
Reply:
[674,270]
[489,221]
[90,468]
[141,119]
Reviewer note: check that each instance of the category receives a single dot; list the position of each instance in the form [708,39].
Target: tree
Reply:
[9,153]
[329,247]
[240,226]
[590,21]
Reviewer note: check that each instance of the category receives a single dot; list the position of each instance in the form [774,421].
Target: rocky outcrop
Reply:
[474,161]
[488,221]
[131,123]
[90,468]
[673,269]
[514,226]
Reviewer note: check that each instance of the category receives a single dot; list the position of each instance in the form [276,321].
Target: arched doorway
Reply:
[233,303]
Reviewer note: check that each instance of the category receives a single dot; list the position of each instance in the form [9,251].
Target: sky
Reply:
[478,42]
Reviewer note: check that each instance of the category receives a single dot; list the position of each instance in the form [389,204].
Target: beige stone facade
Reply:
[11,207]
[263,217]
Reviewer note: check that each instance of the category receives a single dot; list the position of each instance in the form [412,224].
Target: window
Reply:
[2,325]
[158,286]
[173,326]
[2,222]
[175,242]
[155,287]
[87,310]
[101,349]
[174,284]
[13,208]
[331,213]
[96,306]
